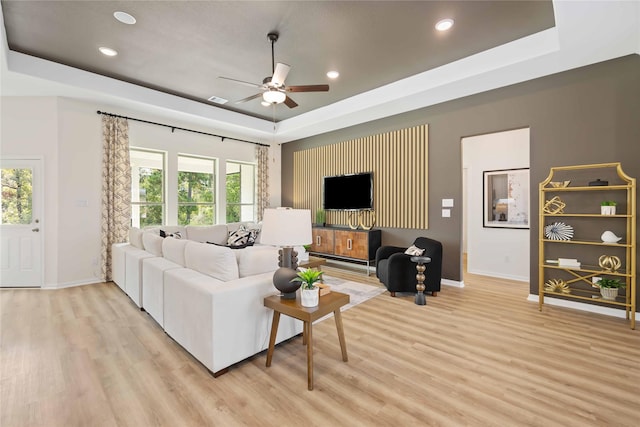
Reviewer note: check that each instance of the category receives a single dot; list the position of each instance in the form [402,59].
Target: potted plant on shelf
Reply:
[609,288]
[309,292]
[608,207]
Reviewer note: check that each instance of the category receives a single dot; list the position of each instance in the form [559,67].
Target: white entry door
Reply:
[21,228]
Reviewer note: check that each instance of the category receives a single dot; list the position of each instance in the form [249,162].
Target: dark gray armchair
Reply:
[397,272]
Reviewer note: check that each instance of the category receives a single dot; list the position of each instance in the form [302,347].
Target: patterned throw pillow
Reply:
[239,237]
[176,235]
[413,250]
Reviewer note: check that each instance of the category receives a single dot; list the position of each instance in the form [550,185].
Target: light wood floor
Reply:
[477,356]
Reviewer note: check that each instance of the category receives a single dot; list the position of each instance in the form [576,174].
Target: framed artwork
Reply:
[506,198]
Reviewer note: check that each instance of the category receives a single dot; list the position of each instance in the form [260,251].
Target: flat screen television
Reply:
[348,192]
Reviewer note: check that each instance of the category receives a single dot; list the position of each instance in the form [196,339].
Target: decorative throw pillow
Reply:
[176,235]
[239,237]
[232,246]
[413,250]
[253,235]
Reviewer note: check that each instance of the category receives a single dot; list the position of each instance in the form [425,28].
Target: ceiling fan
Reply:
[274,91]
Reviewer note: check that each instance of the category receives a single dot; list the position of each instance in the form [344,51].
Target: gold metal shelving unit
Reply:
[582,209]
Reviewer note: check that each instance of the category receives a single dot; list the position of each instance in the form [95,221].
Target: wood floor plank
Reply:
[479,356]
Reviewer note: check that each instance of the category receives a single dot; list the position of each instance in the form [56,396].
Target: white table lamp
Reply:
[286,227]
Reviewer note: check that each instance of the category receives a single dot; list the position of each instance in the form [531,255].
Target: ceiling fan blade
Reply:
[240,81]
[308,88]
[290,102]
[280,74]
[249,98]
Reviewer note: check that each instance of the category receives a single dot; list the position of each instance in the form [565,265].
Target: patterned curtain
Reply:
[116,188]
[262,153]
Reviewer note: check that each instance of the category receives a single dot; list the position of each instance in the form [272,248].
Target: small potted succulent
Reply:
[309,292]
[608,207]
[609,288]
[321,217]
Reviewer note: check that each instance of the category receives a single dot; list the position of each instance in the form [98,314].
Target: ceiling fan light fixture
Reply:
[274,97]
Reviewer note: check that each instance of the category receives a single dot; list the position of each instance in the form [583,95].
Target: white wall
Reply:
[497,252]
[68,135]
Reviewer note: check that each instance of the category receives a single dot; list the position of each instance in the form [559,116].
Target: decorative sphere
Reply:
[282,280]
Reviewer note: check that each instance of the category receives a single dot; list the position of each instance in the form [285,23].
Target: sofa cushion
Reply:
[257,260]
[208,233]
[135,237]
[173,250]
[152,243]
[215,261]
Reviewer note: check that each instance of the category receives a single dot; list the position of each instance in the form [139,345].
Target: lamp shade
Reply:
[274,96]
[286,227]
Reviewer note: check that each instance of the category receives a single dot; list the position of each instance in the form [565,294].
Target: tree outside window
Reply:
[147,188]
[196,191]
[241,192]
[16,196]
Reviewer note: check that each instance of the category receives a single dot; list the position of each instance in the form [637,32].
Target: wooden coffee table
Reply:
[313,262]
[330,302]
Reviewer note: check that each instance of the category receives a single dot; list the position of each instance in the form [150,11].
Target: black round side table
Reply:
[420,267]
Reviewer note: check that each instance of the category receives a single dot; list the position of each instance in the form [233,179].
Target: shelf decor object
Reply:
[558,231]
[569,278]
[560,184]
[609,263]
[554,206]
[610,237]
[557,286]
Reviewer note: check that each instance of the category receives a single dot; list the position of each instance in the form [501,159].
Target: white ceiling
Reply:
[585,32]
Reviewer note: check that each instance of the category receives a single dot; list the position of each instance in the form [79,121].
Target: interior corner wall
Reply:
[496,252]
[586,115]
[29,127]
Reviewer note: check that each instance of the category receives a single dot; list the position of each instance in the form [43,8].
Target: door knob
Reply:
[35,230]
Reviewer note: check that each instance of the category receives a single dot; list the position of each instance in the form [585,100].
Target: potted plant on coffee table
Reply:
[309,292]
[609,288]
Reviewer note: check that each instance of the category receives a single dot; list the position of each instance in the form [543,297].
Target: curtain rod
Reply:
[173,128]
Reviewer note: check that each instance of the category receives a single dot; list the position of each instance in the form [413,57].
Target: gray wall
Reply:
[587,115]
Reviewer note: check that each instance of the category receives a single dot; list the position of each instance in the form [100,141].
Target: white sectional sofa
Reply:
[208,298]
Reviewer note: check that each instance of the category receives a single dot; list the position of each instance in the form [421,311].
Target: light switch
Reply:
[446,213]
[447,203]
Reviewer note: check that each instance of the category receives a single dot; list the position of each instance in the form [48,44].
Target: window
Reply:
[147,188]
[196,191]
[241,192]
[17,196]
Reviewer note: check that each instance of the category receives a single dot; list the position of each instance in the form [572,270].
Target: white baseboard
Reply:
[454,283]
[83,282]
[608,311]
[499,275]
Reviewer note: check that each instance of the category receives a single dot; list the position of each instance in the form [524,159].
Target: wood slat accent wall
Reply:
[399,162]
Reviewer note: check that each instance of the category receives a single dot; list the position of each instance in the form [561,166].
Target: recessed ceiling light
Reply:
[444,24]
[218,100]
[333,74]
[107,51]
[124,17]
